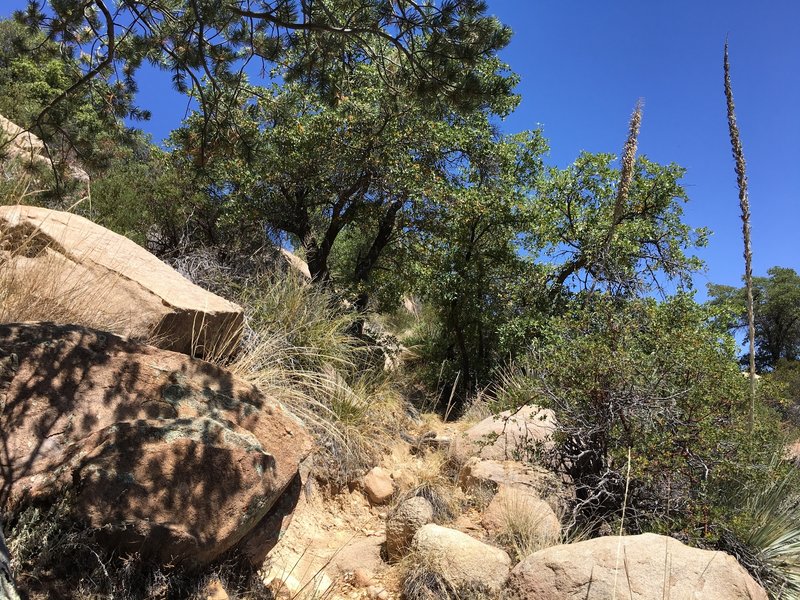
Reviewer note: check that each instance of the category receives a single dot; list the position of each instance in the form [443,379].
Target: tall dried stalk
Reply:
[744,203]
[628,162]
[626,177]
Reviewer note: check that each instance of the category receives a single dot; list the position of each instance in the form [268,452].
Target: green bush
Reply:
[658,380]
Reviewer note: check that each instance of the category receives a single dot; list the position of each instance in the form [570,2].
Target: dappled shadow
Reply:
[165,455]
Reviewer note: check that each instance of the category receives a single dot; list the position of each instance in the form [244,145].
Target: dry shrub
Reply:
[427,475]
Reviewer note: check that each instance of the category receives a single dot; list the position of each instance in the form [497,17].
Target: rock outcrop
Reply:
[509,435]
[637,567]
[100,279]
[20,145]
[160,453]
[469,565]
[487,477]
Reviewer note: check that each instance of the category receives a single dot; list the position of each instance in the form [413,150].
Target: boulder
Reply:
[378,485]
[509,435]
[638,567]
[404,522]
[94,277]
[17,143]
[162,454]
[467,564]
[486,477]
[520,510]
[296,264]
[22,146]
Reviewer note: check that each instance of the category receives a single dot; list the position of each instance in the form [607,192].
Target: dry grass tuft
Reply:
[525,525]
[298,349]
[429,576]
[428,475]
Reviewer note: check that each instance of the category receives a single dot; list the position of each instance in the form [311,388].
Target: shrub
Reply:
[660,380]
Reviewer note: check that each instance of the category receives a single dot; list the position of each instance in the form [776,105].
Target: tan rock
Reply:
[639,567]
[508,435]
[21,144]
[404,522]
[28,150]
[378,485]
[362,577]
[520,510]
[360,556]
[216,591]
[486,477]
[296,264]
[100,279]
[163,454]
[469,565]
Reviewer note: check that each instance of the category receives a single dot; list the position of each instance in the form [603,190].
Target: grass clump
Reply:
[525,524]
[428,475]
[429,576]
[299,348]
[765,536]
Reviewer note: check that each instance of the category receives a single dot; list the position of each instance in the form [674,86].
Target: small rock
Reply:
[216,591]
[404,522]
[362,578]
[378,485]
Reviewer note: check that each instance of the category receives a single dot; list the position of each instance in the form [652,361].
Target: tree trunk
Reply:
[367,263]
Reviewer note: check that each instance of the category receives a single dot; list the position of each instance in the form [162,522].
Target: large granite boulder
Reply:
[161,453]
[638,567]
[88,275]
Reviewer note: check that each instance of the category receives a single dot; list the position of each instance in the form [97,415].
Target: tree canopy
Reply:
[208,45]
[776,303]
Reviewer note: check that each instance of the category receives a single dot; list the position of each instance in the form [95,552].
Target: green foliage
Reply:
[467,263]
[313,171]
[588,251]
[776,304]
[154,203]
[433,48]
[659,379]
[765,536]
[86,126]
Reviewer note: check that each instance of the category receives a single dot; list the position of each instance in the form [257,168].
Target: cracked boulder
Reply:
[157,452]
[65,266]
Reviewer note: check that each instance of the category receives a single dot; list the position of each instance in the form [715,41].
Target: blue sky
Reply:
[584,63]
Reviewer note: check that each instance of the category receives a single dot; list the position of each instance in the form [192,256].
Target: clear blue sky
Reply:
[583,64]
